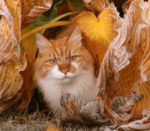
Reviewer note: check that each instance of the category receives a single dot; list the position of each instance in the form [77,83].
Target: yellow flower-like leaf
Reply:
[98,31]
[32,9]
[11,81]
[10,30]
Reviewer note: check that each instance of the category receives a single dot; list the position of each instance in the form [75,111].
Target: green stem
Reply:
[64,15]
[51,24]
[59,23]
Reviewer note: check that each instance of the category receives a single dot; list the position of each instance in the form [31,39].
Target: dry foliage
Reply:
[126,63]
[11,81]
[10,30]
[32,9]
[12,60]
[120,47]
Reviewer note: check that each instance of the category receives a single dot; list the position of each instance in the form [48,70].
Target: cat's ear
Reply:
[41,41]
[76,37]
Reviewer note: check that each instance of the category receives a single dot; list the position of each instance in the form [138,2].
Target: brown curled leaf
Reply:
[96,6]
[126,62]
[118,4]
[141,125]
[126,5]
[11,80]
[74,110]
[10,30]
[32,9]
[144,87]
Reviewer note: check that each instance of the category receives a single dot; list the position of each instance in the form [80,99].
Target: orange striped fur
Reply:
[64,65]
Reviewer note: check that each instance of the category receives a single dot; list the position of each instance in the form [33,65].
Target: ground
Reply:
[36,118]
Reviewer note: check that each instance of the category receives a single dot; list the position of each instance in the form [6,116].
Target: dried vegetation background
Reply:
[116,33]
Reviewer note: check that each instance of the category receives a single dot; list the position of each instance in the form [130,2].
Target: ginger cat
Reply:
[64,65]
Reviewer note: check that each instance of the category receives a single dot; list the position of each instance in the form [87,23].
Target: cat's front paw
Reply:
[71,106]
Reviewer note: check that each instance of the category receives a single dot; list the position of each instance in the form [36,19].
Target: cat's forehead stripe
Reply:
[60,50]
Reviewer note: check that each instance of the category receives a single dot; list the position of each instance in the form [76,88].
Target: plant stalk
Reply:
[55,24]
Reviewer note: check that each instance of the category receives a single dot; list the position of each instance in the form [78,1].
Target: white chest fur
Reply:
[83,85]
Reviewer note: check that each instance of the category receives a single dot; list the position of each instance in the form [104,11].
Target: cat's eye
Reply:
[73,58]
[52,61]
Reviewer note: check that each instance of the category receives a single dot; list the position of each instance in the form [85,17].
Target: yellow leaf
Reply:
[11,80]
[10,29]
[98,31]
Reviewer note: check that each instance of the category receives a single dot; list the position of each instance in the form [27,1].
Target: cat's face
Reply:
[62,59]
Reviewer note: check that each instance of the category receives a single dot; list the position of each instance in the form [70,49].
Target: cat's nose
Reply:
[65,71]
[64,68]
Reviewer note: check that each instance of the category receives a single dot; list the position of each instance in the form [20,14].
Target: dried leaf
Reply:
[10,12]
[52,128]
[118,4]
[30,46]
[32,9]
[11,81]
[126,6]
[126,63]
[91,114]
[76,111]
[142,124]
[144,87]
[96,6]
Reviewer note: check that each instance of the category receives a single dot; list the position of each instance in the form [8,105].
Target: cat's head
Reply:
[62,59]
